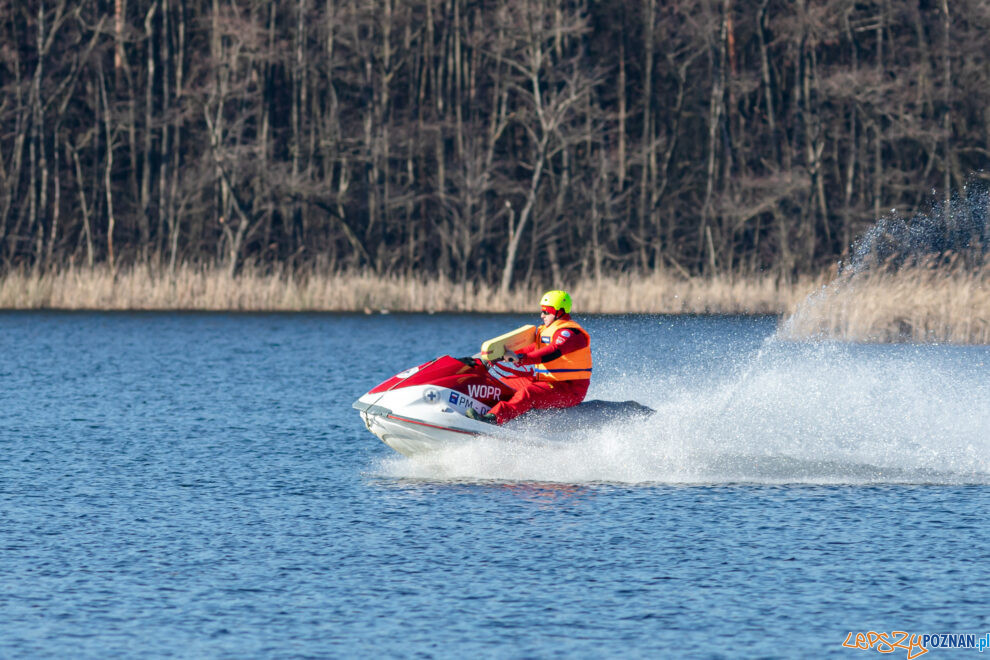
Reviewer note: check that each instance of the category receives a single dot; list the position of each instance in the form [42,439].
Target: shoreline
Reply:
[193,288]
[913,305]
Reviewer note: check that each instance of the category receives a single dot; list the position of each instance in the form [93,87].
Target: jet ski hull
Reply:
[420,419]
[423,409]
[410,436]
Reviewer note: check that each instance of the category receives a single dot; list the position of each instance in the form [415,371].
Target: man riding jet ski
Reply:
[561,361]
[449,400]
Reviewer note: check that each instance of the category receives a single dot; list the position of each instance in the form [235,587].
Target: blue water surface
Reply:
[197,485]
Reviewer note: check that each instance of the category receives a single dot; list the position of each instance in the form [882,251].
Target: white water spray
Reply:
[952,237]
[795,413]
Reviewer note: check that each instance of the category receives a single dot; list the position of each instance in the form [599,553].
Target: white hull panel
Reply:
[421,419]
[410,438]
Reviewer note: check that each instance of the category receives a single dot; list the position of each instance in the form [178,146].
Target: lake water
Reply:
[198,485]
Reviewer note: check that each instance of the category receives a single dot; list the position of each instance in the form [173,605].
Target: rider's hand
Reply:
[512,357]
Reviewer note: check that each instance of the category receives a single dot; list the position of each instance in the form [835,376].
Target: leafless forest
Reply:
[496,141]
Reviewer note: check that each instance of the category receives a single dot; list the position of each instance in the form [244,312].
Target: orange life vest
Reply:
[575,365]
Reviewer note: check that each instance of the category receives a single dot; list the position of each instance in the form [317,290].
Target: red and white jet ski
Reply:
[423,409]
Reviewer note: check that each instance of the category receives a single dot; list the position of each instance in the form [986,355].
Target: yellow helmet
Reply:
[556,299]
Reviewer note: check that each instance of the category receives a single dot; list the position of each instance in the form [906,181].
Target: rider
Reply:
[561,356]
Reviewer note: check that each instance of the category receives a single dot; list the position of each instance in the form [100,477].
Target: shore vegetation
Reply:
[206,288]
[917,304]
[911,304]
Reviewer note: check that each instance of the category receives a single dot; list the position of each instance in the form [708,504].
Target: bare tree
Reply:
[547,102]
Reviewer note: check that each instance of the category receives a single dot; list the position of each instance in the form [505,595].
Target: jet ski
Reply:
[424,409]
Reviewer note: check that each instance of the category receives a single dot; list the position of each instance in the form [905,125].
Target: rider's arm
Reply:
[528,349]
[564,341]
[519,354]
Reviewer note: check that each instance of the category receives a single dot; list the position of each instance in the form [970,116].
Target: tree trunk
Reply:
[87,230]
[146,174]
[176,150]
[527,210]
[714,122]
[947,102]
[111,219]
[118,24]
[768,89]
[647,139]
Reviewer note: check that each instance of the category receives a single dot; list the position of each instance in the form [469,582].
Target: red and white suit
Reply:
[561,357]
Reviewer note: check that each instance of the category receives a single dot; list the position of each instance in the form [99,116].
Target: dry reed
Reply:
[916,304]
[913,305]
[199,288]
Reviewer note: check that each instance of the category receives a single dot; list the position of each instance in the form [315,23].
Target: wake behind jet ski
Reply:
[451,399]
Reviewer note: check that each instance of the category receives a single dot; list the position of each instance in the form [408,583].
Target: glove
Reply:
[512,357]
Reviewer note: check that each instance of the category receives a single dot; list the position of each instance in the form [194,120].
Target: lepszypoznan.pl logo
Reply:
[915,645]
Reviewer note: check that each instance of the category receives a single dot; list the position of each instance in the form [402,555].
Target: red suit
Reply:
[562,355]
